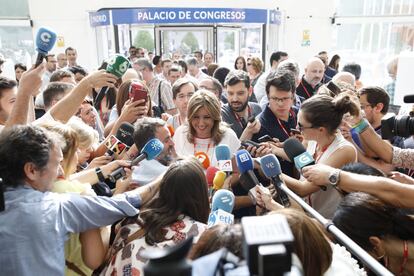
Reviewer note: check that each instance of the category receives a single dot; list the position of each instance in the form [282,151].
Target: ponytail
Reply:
[344,104]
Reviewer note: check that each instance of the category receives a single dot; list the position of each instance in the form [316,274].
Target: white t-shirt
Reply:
[185,148]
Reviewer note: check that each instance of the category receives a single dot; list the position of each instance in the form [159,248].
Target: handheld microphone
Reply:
[171,130]
[271,168]
[151,150]
[210,174]
[221,208]
[117,66]
[218,180]
[248,179]
[298,154]
[223,158]
[203,158]
[45,40]
[122,141]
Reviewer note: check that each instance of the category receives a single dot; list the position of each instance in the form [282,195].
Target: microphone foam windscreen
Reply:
[222,152]
[125,134]
[224,200]
[210,174]
[218,180]
[270,165]
[244,161]
[152,148]
[45,40]
[293,147]
[203,158]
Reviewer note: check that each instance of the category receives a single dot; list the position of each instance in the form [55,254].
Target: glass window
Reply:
[16,43]
[105,42]
[14,8]
[228,45]
[143,36]
[251,41]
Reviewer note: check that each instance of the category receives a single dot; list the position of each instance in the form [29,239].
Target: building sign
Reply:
[100,18]
[275,17]
[188,15]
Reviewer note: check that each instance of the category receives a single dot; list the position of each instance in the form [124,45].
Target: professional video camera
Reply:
[267,249]
[402,126]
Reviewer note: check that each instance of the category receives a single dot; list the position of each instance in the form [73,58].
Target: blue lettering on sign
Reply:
[188,15]
[275,17]
[99,18]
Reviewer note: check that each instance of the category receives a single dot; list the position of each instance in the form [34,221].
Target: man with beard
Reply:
[238,110]
[146,129]
[312,80]
[280,114]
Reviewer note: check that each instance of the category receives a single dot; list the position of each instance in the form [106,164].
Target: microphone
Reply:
[271,168]
[117,66]
[409,98]
[151,150]
[298,154]
[223,158]
[121,142]
[248,179]
[210,174]
[218,180]
[203,158]
[45,40]
[171,130]
[221,208]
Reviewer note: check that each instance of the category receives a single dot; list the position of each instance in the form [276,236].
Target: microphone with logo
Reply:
[221,208]
[45,40]
[151,150]
[271,168]
[224,158]
[248,179]
[298,154]
[122,141]
[117,66]
[203,158]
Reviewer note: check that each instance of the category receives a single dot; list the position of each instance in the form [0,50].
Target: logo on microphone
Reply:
[123,67]
[304,159]
[244,157]
[45,37]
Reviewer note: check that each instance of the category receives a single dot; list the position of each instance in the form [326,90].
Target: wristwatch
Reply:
[334,177]
[100,175]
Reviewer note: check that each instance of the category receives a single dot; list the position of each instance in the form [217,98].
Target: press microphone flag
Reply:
[221,208]
[151,150]
[203,158]
[45,40]
[223,157]
[122,141]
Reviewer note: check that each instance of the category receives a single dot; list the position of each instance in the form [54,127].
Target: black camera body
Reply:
[392,125]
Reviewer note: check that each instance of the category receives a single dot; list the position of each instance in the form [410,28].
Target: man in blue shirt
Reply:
[280,114]
[35,222]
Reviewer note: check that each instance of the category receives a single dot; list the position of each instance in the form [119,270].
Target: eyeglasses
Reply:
[282,100]
[302,128]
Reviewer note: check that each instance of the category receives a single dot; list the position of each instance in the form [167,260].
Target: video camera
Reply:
[403,126]
[267,249]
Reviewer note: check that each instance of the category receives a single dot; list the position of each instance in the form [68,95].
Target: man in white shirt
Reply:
[194,70]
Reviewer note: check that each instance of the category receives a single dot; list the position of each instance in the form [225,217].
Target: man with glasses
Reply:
[212,85]
[238,110]
[280,114]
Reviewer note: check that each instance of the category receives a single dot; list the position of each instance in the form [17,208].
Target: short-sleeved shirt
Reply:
[231,118]
[157,85]
[279,129]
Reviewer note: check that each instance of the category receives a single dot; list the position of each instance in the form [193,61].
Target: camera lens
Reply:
[404,126]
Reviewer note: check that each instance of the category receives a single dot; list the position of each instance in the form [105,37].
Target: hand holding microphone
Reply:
[45,40]
[203,158]
[221,208]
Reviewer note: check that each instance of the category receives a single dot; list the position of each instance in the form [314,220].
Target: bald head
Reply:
[314,71]
[344,77]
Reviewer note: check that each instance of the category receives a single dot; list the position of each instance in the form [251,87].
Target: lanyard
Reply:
[281,124]
[239,119]
[405,258]
[306,90]
[208,148]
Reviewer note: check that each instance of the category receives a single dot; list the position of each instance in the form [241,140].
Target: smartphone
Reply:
[250,143]
[137,91]
[295,131]
[251,119]
[265,138]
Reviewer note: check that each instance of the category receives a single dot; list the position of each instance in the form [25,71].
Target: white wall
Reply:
[71,21]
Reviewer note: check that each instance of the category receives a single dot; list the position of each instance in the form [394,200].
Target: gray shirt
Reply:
[35,225]
[228,116]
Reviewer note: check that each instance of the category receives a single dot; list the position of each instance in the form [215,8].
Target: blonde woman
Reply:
[204,129]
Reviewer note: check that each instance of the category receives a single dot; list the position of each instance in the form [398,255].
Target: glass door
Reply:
[183,40]
[228,45]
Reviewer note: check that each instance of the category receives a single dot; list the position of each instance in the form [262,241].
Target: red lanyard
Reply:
[282,126]
[405,258]
[306,90]
[208,148]
[238,119]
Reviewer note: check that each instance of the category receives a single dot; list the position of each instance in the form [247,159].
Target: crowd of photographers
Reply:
[100,168]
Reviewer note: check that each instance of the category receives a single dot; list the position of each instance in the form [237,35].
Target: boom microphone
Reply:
[45,40]
[151,150]
[221,208]
[122,141]
[271,168]
[298,154]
